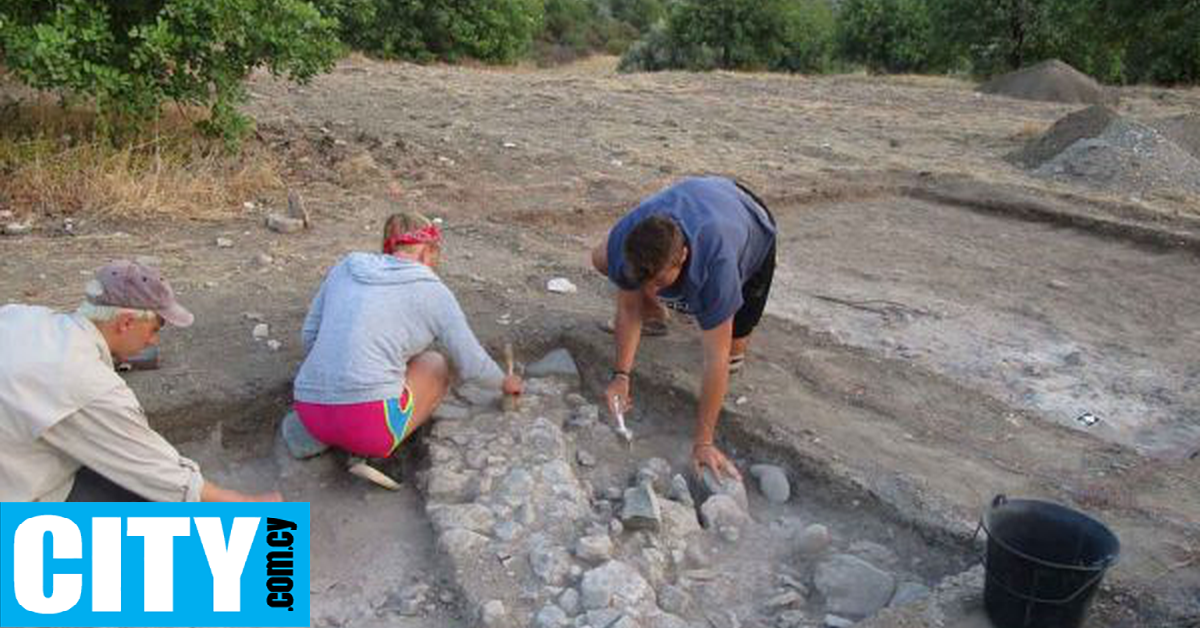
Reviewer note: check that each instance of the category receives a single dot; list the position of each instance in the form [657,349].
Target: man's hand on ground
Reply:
[707,455]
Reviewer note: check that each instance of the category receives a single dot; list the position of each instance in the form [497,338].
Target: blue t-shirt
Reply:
[728,237]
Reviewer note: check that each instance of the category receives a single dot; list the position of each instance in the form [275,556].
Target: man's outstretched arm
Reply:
[715,383]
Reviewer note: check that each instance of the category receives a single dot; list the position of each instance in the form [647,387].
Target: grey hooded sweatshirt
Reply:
[372,314]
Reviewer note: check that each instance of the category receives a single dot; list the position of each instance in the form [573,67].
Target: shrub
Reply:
[809,29]
[129,56]
[886,35]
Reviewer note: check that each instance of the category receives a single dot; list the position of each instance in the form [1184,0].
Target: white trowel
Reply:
[622,431]
[359,467]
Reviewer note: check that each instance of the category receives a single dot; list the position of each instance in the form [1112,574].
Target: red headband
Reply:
[424,235]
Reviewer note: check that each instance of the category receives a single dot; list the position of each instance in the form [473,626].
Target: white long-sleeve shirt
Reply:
[62,407]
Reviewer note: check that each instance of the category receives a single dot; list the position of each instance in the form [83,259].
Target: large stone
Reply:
[657,472]
[284,224]
[551,616]
[874,553]
[461,543]
[678,520]
[675,600]
[448,485]
[772,482]
[516,487]
[710,485]
[909,592]
[479,396]
[493,614]
[299,442]
[584,417]
[833,621]
[813,540]
[549,562]
[473,517]
[595,548]
[721,511]
[680,491]
[569,601]
[618,585]
[852,587]
[640,510]
[557,363]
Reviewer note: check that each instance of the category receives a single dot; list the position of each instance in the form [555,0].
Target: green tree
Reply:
[641,14]
[130,56]
[886,35]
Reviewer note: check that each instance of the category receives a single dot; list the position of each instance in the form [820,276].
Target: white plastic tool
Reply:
[622,431]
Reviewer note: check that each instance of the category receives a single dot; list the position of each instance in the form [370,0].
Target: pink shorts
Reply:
[373,429]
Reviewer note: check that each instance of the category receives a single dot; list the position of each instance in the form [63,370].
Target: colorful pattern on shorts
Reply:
[373,429]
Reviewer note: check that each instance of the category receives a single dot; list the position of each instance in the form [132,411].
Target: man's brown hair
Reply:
[650,247]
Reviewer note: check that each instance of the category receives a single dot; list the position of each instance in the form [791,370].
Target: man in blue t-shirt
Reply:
[705,246]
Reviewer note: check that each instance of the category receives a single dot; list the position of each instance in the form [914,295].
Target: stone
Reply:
[479,396]
[874,553]
[618,585]
[557,363]
[561,285]
[274,345]
[551,616]
[852,587]
[833,621]
[602,617]
[675,600]
[516,487]
[729,532]
[507,530]
[792,619]
[596,548]
[680,491]
[568,601]
[264,259]
[17,228]
[785,599]
[679,520]
[493,614]
[224,243]
[772,482]
[261,331]
[710,484]
[574,400]
[473,517]
[450,411]
[299,442]
[813,540]
[657,472]
[665,620]
[297,209]
[584,416]
[625,621]
[909,592]
[447,485]
[640,510]
[461,543]
[585,459]
[721,510]
[615,527]
[550,563]
[284,224]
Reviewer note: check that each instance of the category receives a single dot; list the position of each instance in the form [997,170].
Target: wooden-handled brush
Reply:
[510,401]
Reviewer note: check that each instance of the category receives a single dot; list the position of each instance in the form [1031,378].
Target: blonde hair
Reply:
[402,223]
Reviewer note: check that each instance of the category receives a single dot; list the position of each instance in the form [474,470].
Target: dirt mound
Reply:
[1184,130]
[1052,81]
[1084,124]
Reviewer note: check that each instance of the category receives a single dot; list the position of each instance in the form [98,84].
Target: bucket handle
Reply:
[1059,602]
[1000,500]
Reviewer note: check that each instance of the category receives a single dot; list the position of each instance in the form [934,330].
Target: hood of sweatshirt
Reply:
[380,269]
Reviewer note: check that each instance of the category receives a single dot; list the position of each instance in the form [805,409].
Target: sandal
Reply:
[736,362]
[653,328]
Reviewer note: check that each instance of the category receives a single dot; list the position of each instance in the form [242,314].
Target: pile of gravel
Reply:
[1081,125]
[1124,155]
[1184,130]
[1052,81]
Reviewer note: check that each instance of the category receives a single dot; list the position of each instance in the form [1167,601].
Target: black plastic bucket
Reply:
[1044,563]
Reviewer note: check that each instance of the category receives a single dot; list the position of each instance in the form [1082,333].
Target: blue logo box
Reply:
[110,564]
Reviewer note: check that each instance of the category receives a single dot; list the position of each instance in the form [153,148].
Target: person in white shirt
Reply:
[70,428]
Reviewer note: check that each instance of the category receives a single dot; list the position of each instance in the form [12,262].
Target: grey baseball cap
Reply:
[129,284]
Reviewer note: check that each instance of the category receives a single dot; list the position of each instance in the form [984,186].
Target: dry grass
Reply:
[1029,130]
[53,162]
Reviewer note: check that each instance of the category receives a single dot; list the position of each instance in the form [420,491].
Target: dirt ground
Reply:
[940,322]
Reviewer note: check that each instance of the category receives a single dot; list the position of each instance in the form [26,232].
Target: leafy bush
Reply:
[129,56]
[809,29]
[886,35]
[642,15]
[574,28]
[659,50]
[496,31]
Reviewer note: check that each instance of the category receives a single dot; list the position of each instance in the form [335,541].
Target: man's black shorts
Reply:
[758,287]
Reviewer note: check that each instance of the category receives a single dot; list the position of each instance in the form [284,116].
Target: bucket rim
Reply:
[1002,500]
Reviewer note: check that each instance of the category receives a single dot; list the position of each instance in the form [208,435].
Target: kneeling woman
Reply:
[370,378]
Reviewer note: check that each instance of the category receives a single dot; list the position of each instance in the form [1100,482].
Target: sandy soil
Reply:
[922,351]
